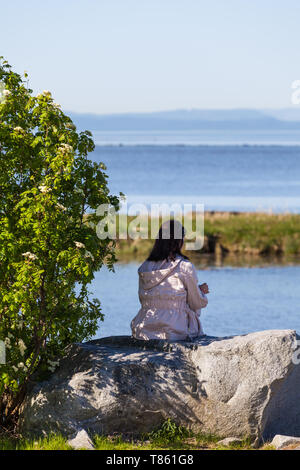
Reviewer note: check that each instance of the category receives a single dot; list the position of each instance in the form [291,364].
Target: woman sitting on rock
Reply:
[171,300]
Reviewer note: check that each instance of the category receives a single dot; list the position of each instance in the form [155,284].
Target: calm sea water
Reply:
[176,169]
[222,177]
[241,300]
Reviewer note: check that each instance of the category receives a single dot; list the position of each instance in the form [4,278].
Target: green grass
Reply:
[52,442]
[257,232]
[168,437]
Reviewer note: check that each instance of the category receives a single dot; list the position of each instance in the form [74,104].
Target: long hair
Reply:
[168,242]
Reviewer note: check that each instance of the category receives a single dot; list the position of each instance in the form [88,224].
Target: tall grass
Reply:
[232,233]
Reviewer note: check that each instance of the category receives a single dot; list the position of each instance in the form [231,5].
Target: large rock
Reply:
[243,386]
[279,441]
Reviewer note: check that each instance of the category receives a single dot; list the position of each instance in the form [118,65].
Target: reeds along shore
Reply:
[238,234]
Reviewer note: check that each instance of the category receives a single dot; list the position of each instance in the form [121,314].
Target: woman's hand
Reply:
[204,288]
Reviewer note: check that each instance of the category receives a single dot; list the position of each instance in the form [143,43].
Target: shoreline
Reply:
[234,237]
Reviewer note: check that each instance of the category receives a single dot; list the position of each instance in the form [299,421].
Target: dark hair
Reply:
[168,242]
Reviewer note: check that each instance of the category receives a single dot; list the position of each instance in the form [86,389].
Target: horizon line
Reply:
[118,113]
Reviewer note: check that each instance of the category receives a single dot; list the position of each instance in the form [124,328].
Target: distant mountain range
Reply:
[193,119]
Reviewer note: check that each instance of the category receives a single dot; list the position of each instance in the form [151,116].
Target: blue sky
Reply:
[108,56]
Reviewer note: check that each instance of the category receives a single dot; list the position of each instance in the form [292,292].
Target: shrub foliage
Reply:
[49,250]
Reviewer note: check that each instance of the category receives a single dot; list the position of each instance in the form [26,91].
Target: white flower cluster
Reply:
[52,365]
[21,365]
[22,346]
[6,93]
[70,125]
[44,189]
[29,255]
[45,93]
[18,129]
[88,254]
[66,148]
[79,245]
[60,206]
[20,343]
[57,105]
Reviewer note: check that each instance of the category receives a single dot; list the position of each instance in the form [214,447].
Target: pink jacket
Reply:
[171,301]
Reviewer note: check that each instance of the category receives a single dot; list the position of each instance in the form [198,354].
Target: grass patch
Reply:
[167,437]
[258,234]
[169,432]
[51,442]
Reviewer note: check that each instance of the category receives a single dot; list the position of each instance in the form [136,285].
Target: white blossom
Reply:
[6,92]
[65,148]
[44,189]
[22,347]
[53,363]
[29,255]
[88,254]
[70,125]
[18,129]
[79,245]
[56,105]
[7,343]
[60,206]
[47,92]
